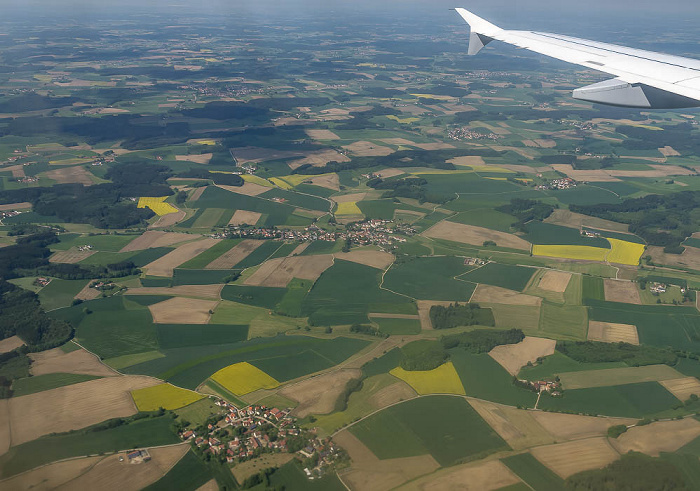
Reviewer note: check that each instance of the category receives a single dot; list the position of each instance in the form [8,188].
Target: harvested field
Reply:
[375,259]
[669,151]
[467,161]
[660,170]
[248,188]
[318,158]
[197,193]
[371,474]
[180,310]
[168,220]
[251,467]
[322,135]
[199,291]
[318,395]
[567,218]
[555,281]
[111,474]
[621,291]
[618,376]
[469,234]
[50,476]
[572,426]
[349,198]
[398,141]
[682,388]
[496,294]
[74,406]
[8,344]
[479,476]
[689,259]
[212,484]
[566,459]
[545,143]
[164,266]
[516,426]
[280,271]
[78,361]
[235,255]
[155,238]
[654,438]
[513,357]
[609,332]
[202,158]
[328,181]
[16,206]
[88,293]
[16,170]
[5,433]
[368,149]
[391,394]
[68,175]
[424,311]
[589,175]
[71,256]
[299,249]
[389,172]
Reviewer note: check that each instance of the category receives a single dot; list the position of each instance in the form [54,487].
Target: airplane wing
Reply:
[643,78]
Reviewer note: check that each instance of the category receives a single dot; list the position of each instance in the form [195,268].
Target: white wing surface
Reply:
[643,78]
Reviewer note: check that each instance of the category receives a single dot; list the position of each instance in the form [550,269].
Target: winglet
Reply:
[483,32]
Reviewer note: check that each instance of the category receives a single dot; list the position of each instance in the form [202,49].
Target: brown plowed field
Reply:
[572,426]
[78,361]
[375,259]
[513,357]
[317,395]
[682,388]
[243,217]
[555,281]
[566,459]
[181,310]
[516,426]
[50,476]
[164,266]
[156,238]
[74,406]
[609,332]
[654,438]
[495,294]
[621,291]
[469,234]
[280,271]
[479,476]
[235,255]
[71,256]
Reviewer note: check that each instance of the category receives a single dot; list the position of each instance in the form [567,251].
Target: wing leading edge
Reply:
[644,79]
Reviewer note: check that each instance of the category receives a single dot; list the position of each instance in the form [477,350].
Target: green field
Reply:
[485,217]
[189,473]
[345,293]
[397,326]
[105,243]
[291,477]
[259,296]
[430,278]
[40,383]
[563,321]
[142,433]
[201,261]
[201,276]
[259,255]
[183,335]
[547,233]
[630,400]
[593,288]
[558,362]
[458,435]
[290,303]
[214,197]
[485,379]
[503,275]
[536,475]
[59,293]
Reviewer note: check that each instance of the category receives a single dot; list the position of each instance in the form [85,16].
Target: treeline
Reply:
[457,314]
[103,205]
[436,159]
[410,187]
[22,315]
[526,210]
[423,355]
[630,354]
[660,220]
[482,340]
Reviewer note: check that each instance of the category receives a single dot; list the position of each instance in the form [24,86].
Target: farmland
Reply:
[265,215]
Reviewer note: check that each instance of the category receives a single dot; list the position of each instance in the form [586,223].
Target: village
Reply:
[466,133]
[240,435]
[367,232]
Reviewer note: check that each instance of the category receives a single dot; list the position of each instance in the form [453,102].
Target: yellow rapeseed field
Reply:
[403,120]
[158,205]
[571,252]
[207,142]
[624,252]
[164,395]
[441,380]
[242,378]
[281,183]
[348,208]
[256,180]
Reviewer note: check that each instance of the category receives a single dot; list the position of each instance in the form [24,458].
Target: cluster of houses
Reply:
[9,213]
[659,288]
[103,285]
[245,433]
[474,261]
[84,248]
[539,386]
[466,133]
[368,232]
[559,183]
[42,281]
